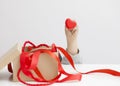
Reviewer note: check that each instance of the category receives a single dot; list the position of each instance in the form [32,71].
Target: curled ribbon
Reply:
[29,61]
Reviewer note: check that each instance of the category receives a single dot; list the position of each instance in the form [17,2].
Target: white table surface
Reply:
[94,79]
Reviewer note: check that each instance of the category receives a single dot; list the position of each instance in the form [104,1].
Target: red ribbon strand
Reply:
[29,61]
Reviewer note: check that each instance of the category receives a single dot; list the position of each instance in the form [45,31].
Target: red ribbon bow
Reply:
[29,61]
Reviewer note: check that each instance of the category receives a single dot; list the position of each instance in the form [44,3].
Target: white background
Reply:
[42,21]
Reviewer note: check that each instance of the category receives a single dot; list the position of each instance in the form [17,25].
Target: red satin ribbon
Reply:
[28,62]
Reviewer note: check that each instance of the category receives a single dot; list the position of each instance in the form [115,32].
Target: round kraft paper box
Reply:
[47,66]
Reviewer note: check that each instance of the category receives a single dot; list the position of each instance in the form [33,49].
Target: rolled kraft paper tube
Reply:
[70,24]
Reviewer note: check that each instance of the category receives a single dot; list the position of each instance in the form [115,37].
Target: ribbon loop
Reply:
[29,61]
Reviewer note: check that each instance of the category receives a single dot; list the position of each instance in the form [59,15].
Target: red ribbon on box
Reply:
[29,62]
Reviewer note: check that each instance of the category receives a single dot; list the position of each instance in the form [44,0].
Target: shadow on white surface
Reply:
[5,75]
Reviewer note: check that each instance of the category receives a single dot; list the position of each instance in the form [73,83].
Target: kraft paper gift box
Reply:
[47,66]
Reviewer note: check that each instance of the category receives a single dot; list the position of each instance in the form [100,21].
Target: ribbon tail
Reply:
[108,71]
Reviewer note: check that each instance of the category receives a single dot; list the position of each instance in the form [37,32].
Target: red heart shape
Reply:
[70,24]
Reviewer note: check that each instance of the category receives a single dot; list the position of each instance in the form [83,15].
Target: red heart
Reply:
[70,24]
